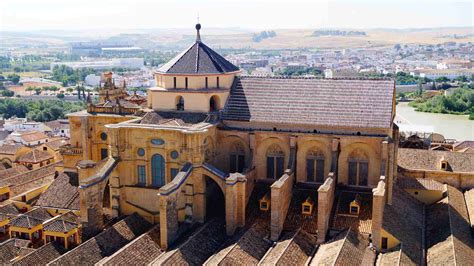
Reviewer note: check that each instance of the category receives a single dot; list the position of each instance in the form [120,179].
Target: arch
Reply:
[313,149]
[227,145]
[361,158]
[214,103]
[157,170]
[275,161]
[236,157]
[263,147]
[179,101]
[7,163]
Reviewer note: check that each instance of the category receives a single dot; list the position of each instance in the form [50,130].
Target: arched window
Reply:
[237,158]
[275,161]
[217,81]
[180,103]
[214,104]
[207,83]
[315,166]
[358,168]
[157,170]
[186,82]
[174,82]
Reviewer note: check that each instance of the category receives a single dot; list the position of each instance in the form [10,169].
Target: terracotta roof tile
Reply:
[198,59]
[10,149]
[318,102]
[407,230]
[31,219]
[30,136]
[42,255]
[419,183]
[10,249]
[35,156]
[143,250]
[8,211]
[10,172]
[416,159]
[63,193]
[106,243]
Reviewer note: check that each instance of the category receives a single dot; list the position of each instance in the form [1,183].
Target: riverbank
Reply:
[458,127]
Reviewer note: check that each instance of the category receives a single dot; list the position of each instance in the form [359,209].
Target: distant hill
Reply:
[238,38]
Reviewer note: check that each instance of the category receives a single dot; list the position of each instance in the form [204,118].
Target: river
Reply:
[457,127]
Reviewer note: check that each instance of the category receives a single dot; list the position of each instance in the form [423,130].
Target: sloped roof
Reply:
[30,136]
[416,159]
[63,193]
[10,149]
[198,59]
[106,243]
[359,103]
[35,156]
[407,230]
[11,248]
[42,255]
[31,219]
[419,183]
[8,211]
[449,238]
[141,251]
[10,172]
[347,248]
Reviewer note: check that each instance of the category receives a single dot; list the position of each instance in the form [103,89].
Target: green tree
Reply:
[442,79]
[14,78]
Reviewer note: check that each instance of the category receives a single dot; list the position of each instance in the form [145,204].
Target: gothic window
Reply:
[275,161]
[180,103]
[237,158]
[157,170]
[141,172]
[358,169]
[315,166]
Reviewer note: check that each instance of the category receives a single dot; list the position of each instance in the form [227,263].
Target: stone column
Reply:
[235,202]
[335,155]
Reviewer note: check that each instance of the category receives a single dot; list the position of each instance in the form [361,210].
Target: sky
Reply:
[32,15]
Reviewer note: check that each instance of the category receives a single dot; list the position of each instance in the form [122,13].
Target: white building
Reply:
[132,63]
[449,73]
[28,138]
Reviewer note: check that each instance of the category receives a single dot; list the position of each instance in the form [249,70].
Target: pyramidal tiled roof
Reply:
[198,59]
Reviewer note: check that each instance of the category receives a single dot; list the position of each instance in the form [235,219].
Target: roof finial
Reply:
[198,27]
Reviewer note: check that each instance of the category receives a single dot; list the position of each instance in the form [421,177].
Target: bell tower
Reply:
[197,80]
[108,91]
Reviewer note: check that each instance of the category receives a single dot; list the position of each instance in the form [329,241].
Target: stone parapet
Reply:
[325,203]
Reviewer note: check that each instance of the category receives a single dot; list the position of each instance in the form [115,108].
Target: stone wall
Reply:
[281,193]
[378,206]
[325,203]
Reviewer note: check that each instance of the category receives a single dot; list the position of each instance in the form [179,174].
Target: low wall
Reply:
[281,192]
[457,180]
[325,203]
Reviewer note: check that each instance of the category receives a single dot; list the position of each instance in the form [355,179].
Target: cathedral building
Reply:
[206,129]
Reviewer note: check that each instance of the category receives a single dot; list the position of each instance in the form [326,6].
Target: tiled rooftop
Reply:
[347,248]
[319,102]
[106,243]
[199,247]
[143,250]
[10,149]
[343,220]
[11,248]
[42,255]
[430,160]
[295,219]
[31,219]
[63,193]
[34,156]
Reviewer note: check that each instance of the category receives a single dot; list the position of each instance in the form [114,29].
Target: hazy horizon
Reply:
[88,15]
